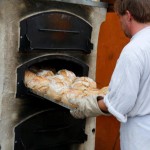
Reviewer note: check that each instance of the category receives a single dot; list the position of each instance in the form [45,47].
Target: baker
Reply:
[128,98]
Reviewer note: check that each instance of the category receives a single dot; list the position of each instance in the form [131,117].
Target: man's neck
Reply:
[136,27]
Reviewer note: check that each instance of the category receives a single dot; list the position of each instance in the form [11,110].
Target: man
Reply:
[128,98]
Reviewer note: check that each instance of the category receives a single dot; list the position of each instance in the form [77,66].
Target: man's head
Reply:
[139,9]
[129,10]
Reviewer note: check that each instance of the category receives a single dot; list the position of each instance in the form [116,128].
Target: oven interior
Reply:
[56,62]
[53,129]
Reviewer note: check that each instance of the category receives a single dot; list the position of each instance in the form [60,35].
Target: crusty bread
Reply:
[57,84]
[91,82]
[51,88]
[67,74]
[59,87]
[83,83]
[71,93]
[38,84]
[55,94]
[61,78]
[45,73]
[28,76]
[103,91]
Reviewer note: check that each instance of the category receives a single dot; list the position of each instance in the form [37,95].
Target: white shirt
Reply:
[129,92]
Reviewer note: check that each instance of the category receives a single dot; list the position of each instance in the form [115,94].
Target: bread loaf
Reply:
[71,94]
[83,83]
[45,73]
[62,86]
[28,76]
[37,84]
[57,85]
[102,91]
[67,74]
[61,78]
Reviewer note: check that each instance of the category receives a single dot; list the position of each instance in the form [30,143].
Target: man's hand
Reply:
[87,107]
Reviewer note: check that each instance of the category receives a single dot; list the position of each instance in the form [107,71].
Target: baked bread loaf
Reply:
[83,83]
[71,93]
[104,90]
[67,74]
[97,92]
[28,76]
[37,83]
[61,87]
[57,85]
[45,73]
[61,78]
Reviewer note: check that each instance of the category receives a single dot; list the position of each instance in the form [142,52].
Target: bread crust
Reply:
[67,74]
[45,73]
[62,86]
[83,83]
[69,94]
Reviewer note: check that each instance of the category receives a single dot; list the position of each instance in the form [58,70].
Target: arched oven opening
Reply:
[56,62]
[49,130]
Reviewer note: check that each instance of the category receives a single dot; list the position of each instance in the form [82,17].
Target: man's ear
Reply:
[129,16]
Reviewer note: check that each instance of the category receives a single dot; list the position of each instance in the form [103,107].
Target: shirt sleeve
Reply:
[123,87]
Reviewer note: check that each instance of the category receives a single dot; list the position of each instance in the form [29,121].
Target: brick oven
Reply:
[64,34]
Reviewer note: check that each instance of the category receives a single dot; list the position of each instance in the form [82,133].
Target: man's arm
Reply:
[102,106]
[90,106]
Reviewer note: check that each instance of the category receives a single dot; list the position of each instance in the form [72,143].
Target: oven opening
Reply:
[53,129]
[55,62]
